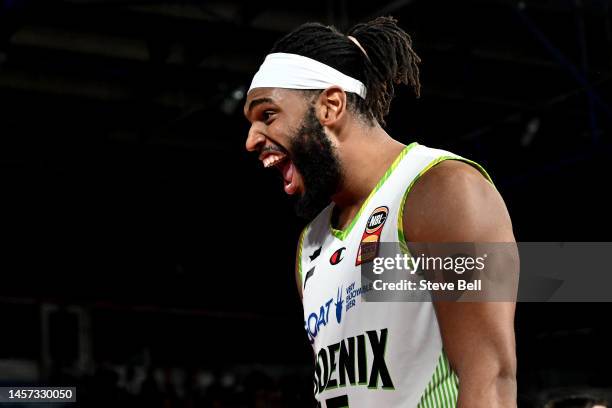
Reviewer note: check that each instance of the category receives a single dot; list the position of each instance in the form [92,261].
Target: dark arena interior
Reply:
[147,258]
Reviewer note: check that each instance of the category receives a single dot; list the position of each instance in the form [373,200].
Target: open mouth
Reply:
[283,163]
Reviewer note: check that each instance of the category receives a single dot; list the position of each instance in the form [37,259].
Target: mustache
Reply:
[273,148]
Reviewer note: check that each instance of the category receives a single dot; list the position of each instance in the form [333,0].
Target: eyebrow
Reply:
[258,101]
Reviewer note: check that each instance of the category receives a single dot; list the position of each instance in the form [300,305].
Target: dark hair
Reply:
[390,59]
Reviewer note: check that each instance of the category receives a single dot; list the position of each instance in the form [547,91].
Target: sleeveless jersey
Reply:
[372,354]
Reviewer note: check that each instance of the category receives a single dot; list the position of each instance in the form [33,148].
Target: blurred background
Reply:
[148,259]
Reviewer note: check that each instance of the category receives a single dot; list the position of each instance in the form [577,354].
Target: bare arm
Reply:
[453,202]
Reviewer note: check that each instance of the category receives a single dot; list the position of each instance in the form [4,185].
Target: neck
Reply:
[365,155]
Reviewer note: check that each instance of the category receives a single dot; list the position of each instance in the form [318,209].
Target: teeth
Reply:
[272,160]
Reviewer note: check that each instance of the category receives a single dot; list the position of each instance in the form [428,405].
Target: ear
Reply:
[331,106]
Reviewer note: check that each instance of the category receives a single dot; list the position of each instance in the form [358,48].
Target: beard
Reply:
[315,158]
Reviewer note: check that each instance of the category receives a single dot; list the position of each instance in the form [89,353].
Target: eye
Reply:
[267,115]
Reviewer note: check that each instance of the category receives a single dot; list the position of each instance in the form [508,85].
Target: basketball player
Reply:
[316,107]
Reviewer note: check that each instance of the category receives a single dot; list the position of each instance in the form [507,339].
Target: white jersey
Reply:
[372,354]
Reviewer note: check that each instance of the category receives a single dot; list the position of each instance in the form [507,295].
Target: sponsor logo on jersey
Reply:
[338,304]
[336,257]
[368,247]
[358,360]
[353,292]
[346,299]
[316,321]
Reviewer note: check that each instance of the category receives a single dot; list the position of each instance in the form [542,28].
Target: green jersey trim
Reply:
[342,234]
[443,388]
[400,218]
[299,254]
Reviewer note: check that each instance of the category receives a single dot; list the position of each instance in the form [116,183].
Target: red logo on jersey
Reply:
[336,256]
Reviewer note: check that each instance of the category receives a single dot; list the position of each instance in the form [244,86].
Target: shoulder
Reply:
[454,202]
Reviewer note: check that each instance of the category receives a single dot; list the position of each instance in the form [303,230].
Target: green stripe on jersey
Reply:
[299,254]
[442,390]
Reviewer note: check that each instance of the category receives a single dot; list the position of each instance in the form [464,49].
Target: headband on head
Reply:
[292,71]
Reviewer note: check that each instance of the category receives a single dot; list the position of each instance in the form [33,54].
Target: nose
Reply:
[255,139]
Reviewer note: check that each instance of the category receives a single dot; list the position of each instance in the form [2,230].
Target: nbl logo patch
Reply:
[368,247]
[377,220]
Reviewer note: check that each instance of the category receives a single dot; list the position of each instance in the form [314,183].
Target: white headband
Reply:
[292,71]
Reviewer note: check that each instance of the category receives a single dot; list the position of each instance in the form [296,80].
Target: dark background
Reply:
[148,259]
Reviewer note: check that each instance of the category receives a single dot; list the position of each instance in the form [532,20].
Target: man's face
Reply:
[287,135]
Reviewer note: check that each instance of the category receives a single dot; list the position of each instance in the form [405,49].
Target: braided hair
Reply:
[388,60]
